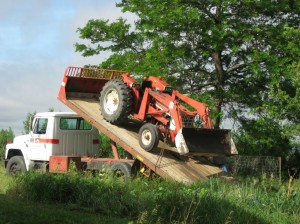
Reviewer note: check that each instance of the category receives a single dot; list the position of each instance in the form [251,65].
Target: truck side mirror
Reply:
[31,124]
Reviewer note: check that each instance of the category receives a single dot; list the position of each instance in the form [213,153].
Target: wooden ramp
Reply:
[164,161]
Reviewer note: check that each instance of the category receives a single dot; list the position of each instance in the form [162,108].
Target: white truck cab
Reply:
[52,133]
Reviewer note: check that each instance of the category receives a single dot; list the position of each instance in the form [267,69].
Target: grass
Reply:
[74,197]
[5,182]
[14,209]
[18,211]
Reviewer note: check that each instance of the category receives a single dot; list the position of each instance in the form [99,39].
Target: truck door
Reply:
[38,139]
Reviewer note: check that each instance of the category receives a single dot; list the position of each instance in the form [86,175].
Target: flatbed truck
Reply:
[57,138]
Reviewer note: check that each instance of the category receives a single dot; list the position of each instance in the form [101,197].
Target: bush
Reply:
[2,151]
[5,137]
[105,148]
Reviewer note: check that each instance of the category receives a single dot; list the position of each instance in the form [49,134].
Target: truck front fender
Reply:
[11,152]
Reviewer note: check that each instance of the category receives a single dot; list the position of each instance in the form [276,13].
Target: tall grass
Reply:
[160,201]
[14,209]
[5,181]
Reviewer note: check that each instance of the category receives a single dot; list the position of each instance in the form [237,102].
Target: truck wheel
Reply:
[15,165]
[116,101]
[148,137]
[121,171]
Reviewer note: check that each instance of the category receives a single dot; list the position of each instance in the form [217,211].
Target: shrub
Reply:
[5,137]
[105,148]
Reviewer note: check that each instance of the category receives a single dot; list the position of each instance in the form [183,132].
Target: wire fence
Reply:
[257,165]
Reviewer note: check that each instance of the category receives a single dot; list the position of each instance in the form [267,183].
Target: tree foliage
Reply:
[6,136]
[27,123]
[106,149]
[238,56]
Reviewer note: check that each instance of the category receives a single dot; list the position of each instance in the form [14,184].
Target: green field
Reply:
[77,198]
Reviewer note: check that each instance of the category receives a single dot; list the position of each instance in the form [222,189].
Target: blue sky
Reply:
[36,45]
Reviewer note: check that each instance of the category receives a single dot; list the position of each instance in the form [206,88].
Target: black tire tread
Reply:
[18,160]
[152,128]
[125,168]
[126,101]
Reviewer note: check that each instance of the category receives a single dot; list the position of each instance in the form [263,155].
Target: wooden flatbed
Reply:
[169,164]
[164,161]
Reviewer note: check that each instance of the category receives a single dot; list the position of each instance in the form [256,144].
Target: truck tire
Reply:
[116,101]
[15,165]
[148,137]
[121,171]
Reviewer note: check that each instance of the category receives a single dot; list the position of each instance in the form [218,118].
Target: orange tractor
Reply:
[166,115]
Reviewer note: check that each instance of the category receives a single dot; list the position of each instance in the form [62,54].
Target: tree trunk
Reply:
[217,109]
[219,72]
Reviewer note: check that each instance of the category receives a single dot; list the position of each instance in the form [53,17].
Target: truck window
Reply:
[40,126]
[74,124]
[84,125]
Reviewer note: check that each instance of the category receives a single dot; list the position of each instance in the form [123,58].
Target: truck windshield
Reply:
[74,124]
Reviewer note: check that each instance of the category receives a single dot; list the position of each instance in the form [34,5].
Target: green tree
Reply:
[237,56]
[27,123]
[229,50]
[6,136]
[276,131]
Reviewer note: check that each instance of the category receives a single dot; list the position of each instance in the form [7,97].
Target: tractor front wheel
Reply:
[115,101]
[148,137]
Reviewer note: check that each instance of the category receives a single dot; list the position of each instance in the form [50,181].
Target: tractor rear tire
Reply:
[116,101]
[148,137]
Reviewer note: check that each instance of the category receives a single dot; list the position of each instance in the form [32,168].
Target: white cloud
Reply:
[36,45]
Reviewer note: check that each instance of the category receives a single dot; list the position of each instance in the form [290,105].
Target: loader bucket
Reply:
[208,142]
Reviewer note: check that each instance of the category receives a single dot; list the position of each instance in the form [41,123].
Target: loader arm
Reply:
[202,108]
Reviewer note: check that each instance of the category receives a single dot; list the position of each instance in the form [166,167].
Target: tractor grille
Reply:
[188,121]
[192,121]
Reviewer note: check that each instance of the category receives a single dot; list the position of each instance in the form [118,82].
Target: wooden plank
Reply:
[170,165]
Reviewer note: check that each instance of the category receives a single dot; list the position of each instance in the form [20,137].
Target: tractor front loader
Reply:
[165,115]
